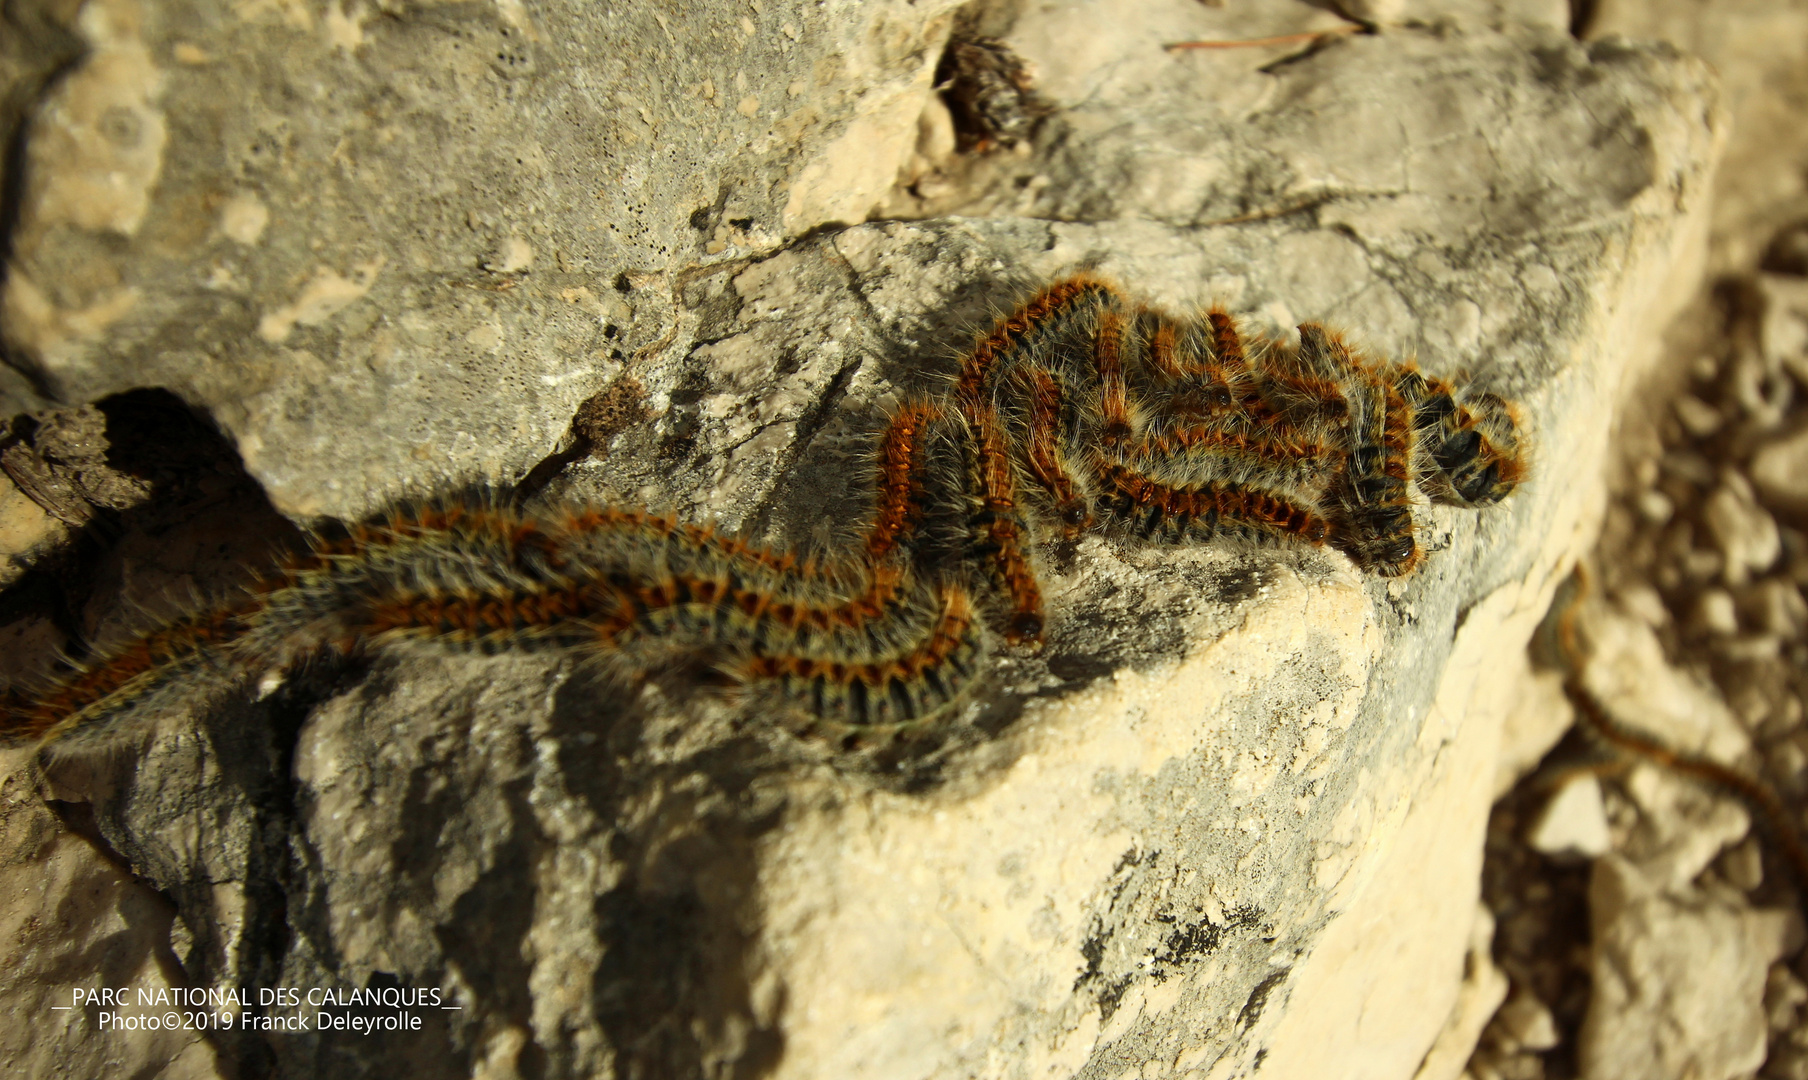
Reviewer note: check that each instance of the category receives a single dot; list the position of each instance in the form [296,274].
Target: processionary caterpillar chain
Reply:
[1772,815]
[1080,410]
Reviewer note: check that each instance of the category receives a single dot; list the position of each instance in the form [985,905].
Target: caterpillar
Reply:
[1080,411]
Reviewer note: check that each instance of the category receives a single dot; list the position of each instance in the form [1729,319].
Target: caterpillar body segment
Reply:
[862,688]
[1372,494]
[1471,441]
[101,694]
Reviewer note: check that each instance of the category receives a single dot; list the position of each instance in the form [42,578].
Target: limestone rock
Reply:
[74,920]
[1537,716]
[1679,979]
[1239,798]
[1780,471]
[443,227]
[1574,822]
[1484,988]
[1783,333]
[1627,670]
[26,531]
[1745,531]
[1760,49]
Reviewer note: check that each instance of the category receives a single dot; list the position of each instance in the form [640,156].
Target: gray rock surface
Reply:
[71,917]
[442,226]
[1760,50]
[1690,966]
[1237,800]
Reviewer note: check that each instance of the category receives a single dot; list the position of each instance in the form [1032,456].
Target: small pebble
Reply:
[1777,606]
[1574,823]
[1784,996]
[1745,532]
[1763,392]
[1752,705]
[1788,253]
[1654,506]
[1750,648]
[1779,470]
[1702,565]
[1643,602]
[1789,714]
[1788,759]
[1715,613]
[1527,1021]
[1743,865]
[1698,417]
[1690,466]
[1783,333]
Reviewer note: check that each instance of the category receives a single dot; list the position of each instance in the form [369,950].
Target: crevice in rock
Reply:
[1581,17]
[1317,45]
[165,480]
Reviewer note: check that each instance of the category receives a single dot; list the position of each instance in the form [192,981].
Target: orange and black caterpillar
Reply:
[1081,410]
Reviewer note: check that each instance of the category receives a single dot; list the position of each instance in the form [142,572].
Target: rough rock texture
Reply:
[1231,816]
[1679,970]
[444,226]
[1678,953]
[70,917]
[1707,653]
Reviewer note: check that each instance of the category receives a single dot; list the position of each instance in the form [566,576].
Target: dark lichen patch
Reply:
[1238,582]
[1258,999]
[1197,938]
[1133,935]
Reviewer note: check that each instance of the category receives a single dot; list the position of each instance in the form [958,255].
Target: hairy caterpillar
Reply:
[1081,410]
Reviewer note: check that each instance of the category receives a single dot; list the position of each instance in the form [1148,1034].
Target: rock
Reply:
[1628,673]
[1780,471]
[74,920]
[1527,1022]
[1784,996]
[1746,533]
[1776,606]
[1783,332]
[1536,719]
[1484,988]
[1645,603]
[283,255]
[1656,507]
[1231,815]
[1787,253]
[1682,826]
[1574,822]
[1679,979]
[59,461]
[1743,865]
[1715,613]
[1697,416]
[1761,50]
[27,531]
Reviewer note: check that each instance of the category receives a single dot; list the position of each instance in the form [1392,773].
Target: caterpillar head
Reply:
[1380,539]
[1479,459]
